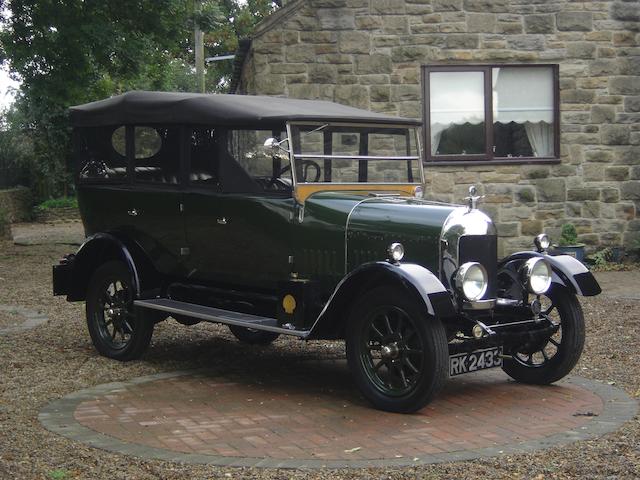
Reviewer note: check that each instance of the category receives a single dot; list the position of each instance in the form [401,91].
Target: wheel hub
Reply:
[390,351]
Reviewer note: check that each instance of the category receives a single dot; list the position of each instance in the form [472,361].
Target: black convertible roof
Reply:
[217,109]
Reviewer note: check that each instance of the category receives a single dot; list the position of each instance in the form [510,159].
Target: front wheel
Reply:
[115,330]
[551,359]
[397,354]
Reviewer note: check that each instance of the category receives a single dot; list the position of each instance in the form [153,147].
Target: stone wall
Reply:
[16,204]
[368,53]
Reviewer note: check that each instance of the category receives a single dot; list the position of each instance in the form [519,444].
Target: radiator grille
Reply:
[484,250]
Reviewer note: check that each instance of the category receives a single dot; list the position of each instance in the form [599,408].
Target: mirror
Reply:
[273,146]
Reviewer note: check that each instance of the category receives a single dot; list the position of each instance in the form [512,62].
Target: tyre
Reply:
[397,354]
[115,330]
[552,359]
[253,337]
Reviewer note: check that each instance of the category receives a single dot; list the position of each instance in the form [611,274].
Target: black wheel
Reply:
[253,337]
[397,354]
[549,360]
[115,331]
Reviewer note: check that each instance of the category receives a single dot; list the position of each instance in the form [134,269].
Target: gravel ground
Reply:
[57,358]
[10,319]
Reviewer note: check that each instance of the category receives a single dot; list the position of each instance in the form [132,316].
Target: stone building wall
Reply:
[369,53]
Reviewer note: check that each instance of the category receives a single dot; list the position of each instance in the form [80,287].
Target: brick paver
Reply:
[311,411]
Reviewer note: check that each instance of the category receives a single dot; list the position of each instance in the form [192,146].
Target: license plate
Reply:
[474,361]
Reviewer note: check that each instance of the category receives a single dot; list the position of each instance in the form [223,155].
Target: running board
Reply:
[217,315]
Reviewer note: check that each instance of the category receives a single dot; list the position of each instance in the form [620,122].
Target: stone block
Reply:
[376,63]
[629,85]
[592,172]
[581,194]
[539,23]
[574,21]
[626,11]
[401,93]
[603,114]
[508,229]
[300,54]
[601,156]
[336,18]
[591,209]
[296,78]
[495,6]
[577,96]
[374,79]
[481,22]
[573,209]
[270,85]
[630,65]
[515,213]
[368,22]
[394,7]
[323,73]
[632,104]
[288,68]
[551,190]
[610,195]
[603,67]
[354,42]
[380,93]
[535,171]
[630,190]
[412,53]
[395,24]
[634,172]
[526,194]
[614,134]
[303,90]
[462,41]
[446,5]
[582,50]
[526,42]
[531,227]
[625,211]
[616,174]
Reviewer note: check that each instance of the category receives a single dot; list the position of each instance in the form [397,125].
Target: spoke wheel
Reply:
[397,354]
[115,330]
[551,359]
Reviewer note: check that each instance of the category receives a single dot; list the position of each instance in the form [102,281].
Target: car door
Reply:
[154,205]
[239,228]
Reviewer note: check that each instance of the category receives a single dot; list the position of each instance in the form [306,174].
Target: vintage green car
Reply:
[306,218]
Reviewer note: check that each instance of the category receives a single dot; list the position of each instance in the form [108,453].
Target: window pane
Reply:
[100,153]
[456,106]
[338,141]
[523,112]
[204,159]
[157,154]
[271,172]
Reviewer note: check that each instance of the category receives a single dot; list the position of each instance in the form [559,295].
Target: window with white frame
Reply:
[505,113]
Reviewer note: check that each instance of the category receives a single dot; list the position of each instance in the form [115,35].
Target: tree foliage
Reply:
[68,52]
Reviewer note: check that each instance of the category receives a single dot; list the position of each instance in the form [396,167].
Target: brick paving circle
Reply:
[310,416]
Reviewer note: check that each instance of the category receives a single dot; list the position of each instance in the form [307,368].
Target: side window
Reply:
[204,158]
[157,154]
[270,172]
[100,154]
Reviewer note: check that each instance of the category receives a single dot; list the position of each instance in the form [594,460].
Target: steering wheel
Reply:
[305,164]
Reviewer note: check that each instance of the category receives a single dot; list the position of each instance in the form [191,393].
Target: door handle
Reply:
[133,212]
[222,221]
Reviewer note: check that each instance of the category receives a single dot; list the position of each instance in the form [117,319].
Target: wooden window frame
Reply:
[488,156]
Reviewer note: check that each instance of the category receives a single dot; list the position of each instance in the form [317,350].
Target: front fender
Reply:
[567,271]
[415,279]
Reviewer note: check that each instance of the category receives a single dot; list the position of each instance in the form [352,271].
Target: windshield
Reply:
[326,153]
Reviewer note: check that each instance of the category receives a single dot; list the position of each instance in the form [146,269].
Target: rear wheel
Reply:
[253,337]
[115,330]
[553,358]
[397,354]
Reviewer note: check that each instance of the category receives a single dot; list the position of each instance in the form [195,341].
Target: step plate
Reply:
[218,315]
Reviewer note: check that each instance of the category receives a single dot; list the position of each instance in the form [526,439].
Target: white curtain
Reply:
[525,95]
[540,137]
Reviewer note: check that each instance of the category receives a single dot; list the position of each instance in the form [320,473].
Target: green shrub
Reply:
[62,202]
[568,235]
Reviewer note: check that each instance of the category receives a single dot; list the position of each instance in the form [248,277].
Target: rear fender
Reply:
[103,247]
[567,271]
[419,282]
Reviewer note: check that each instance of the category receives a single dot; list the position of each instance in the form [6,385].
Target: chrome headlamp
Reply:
[395,252]
[471,280]
[542,242]
[536,275]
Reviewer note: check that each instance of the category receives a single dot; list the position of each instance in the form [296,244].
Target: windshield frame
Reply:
[355,185]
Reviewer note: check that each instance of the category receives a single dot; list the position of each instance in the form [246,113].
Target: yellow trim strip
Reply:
[304,191]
